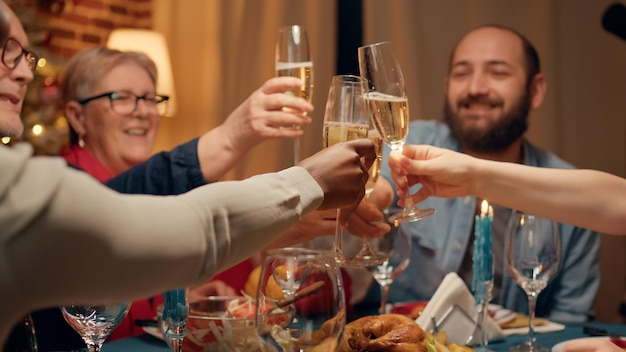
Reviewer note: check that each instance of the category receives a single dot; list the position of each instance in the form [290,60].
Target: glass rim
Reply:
[291,26]
[349,79]
[386,42]
[159,308]
[291,251]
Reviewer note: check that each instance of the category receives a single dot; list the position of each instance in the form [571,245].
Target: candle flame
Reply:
[484,208]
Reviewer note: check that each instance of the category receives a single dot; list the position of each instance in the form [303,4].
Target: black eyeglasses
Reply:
[12,54]
[125,103]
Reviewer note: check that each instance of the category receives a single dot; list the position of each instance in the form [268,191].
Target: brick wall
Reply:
[63,27]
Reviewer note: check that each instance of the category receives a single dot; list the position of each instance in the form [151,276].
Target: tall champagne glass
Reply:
[392,254]
[533,251]
[389,108]
[94,323]
[293,58]
[365,254]
[300,301]
[345,118]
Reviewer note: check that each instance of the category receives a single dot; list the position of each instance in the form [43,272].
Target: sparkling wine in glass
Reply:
[533,251]
[389,108]
[345,119]
[306,313]
[392,254]
[293,58]
[94,323]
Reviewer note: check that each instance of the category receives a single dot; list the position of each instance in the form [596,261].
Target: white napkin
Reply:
[452,308]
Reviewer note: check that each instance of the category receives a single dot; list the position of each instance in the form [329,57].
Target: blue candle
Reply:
[482,257]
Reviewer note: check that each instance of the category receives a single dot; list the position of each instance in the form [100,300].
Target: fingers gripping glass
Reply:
[389,108]
[12,53]
[125,103]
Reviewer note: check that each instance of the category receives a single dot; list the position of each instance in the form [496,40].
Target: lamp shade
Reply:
[152,44]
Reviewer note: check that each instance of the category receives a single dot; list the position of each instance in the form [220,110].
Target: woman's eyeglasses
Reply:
[125,103]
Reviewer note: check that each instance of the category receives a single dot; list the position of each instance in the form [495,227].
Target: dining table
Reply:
[150,343]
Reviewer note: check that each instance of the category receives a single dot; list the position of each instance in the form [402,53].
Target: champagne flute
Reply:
[533,252]
[300,301]
[293,58]
[94,323]
[345,118]
[389,108]
[392,254]
[365,253]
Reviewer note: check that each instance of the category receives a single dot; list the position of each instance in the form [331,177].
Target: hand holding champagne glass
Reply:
[293,58]
[389,108]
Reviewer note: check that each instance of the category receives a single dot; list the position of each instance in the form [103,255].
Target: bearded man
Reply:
[494,81]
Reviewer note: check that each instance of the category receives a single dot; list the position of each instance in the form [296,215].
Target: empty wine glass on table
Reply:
[293,58]
[345,119]
[392,254]
[389,108]
[533,252]
[94,323]
[300,301]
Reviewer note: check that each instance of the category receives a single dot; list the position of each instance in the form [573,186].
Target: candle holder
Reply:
[175,312]
[482,282]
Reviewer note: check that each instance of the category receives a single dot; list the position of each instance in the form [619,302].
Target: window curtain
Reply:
[222,50]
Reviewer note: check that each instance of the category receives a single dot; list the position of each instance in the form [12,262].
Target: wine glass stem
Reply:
[408,201]
[483,327]
[177,345]
[365,243]
[296,151]
[408,205]
[384,296]
[338,235]
[532,302]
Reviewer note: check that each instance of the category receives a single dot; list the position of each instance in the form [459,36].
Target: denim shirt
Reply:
[439,243]
[166,173]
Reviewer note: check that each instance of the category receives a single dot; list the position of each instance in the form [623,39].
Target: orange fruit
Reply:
[272,289]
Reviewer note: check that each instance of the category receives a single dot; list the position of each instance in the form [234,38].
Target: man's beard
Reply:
[511,126]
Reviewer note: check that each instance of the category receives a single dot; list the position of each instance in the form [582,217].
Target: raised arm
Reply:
[585,198]
[60,226]
[258,118]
